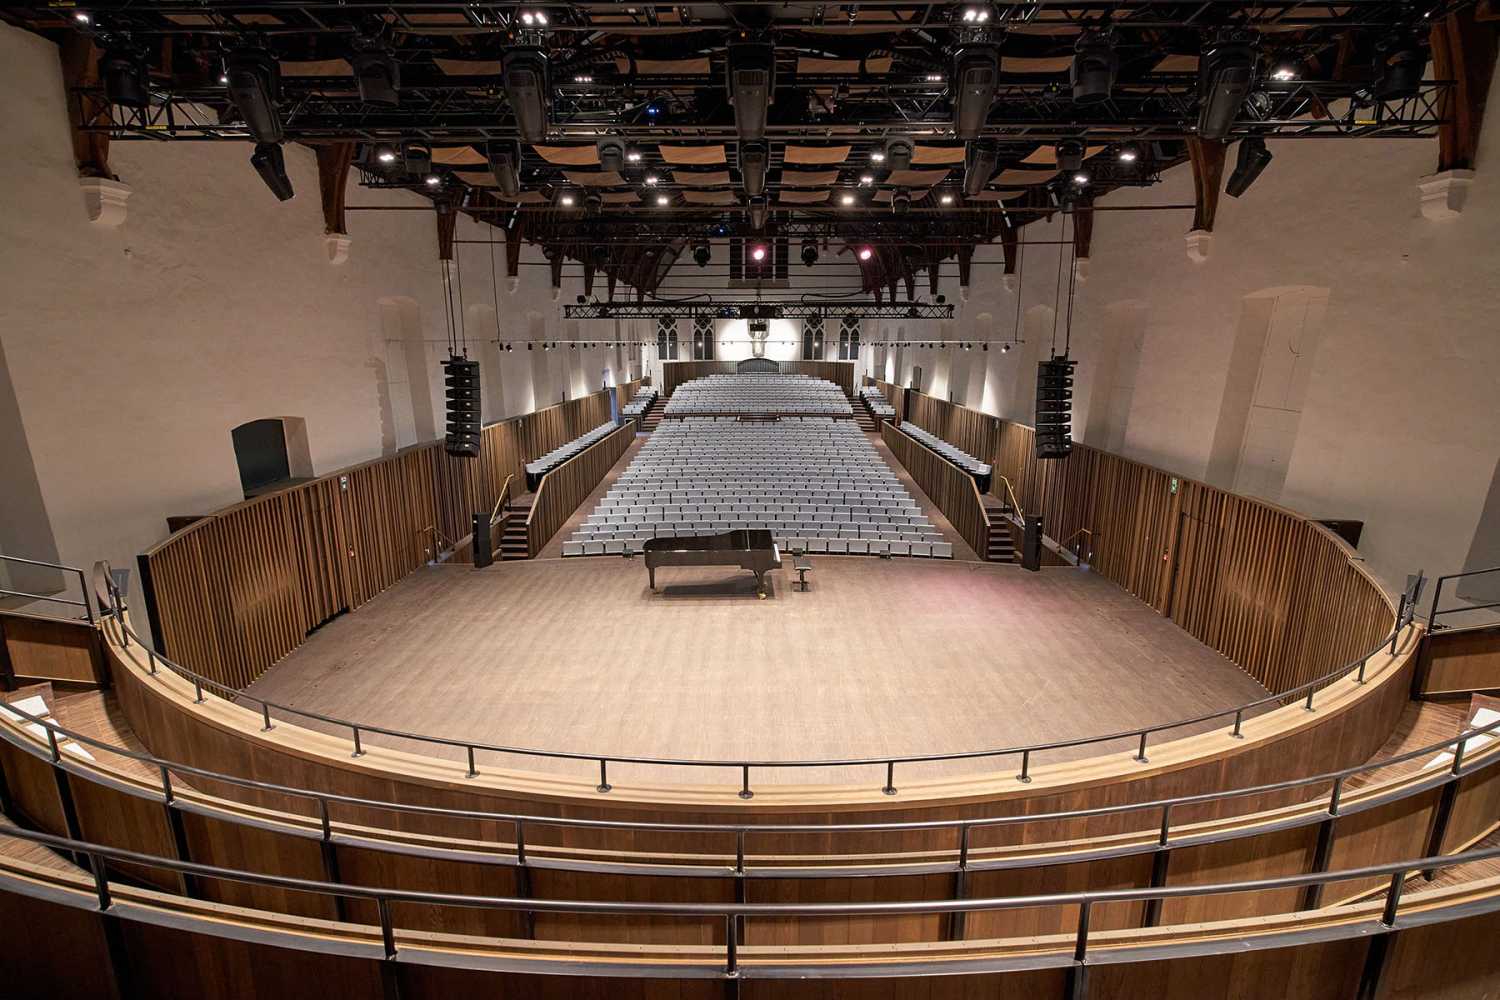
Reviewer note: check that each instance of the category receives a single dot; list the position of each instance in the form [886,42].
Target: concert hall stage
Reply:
[878,657]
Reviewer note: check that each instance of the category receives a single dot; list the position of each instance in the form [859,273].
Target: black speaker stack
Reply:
[1054,408]
[461,376]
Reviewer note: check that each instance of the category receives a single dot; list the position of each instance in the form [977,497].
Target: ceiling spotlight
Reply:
[126,76]
[702,254]
[583,78]
[82,17]
[1253,158]
[1399,61]
[1094,68]
[1080,178]
[566,201]
[976,15]
[378,74]
[809,252]
[534,18]
[633,156]
[867,179]
[1069,154]
[223,77]
[1127,155]
[934,78]
[865,253]
[653,109]
[877,157]
[846,200]
[662,200]
[946,199]
[758,253]
[611,154]
[433,180]
[651,180]
[1283,73]
[386,156]
[1004,348]
[900,202]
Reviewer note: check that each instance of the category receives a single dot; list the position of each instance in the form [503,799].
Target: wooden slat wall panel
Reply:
[568,485]
[970,430]
[896,396]
[625,391]
[950,487]
[674,373]
[1276,593]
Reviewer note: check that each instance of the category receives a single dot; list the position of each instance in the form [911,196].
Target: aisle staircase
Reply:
[513,541]
[864,417]
[652,416]
[1001,548]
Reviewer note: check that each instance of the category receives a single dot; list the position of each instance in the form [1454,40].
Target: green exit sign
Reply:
[1174,485]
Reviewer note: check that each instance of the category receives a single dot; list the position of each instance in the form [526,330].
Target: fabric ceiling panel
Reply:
[701,178]
[989,194]
[818,155]
[594,178]
[569,156]
[320,67]
[929,155]
[524,198]
[1177,64]
[692,156]
[917,178]
[475,178]
[621,198]
[1015,178]
[459,156]
[469,67]
[809,178]
[1045,64]
[710,198]
[813,66]
[802,197]
[665,67]
[1046,156]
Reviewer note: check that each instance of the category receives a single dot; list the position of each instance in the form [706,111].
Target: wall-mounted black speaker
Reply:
[461,376]
[1054,408]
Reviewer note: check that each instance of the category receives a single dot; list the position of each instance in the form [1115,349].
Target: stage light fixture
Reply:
[1284,73]
[1224,79]
[976,73]
[126,78]
[651,180]
[758,252]
[523,74]
[898,153]
[751,82]
[566,200]
[504,156]
[1399,61]
[976,14]
[255,89]
[1069,154]
[386,156]
[1004,348]
[1127,154]
[809,252]
[981,160]
[82,17]
[867,179]
[633,156]
[945,199]
[1252,159]
[611,154]
[223,78]
[534,18]
[1080,179]
[702,254]
[846,200]
[877,157]
[269,162]
[432,180]
[378,75]
[662,201]
[755,160]
[901,202]
[865,253]
[1094,67]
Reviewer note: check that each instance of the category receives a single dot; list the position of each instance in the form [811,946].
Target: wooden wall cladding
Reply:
[970,430]
[33,648]
[674,373]
[896,396]
[948,486]
[240,588]
[1277,593]
[568,485]
[1457,661]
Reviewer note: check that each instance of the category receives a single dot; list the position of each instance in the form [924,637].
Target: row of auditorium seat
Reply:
[877,403]
[640,402]
[957,456]
[765,393]
[815,483]
[558,456]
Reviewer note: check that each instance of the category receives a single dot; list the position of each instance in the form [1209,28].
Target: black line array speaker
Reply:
[461,377]
[1054,408]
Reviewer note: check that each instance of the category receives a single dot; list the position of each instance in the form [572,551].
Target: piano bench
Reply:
[803,567]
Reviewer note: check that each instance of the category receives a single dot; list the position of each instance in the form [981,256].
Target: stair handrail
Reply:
[1010,491]
[500,501]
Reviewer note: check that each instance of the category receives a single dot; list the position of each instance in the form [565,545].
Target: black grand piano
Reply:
[748,548]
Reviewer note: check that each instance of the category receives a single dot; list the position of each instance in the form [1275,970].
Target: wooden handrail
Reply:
[500,500]
[1010,491]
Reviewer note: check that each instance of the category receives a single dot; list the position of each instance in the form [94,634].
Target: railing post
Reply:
[890,778]
[604,784]
[1437,590]
[83,589]
[359,750]
[1239,722]
[1081,942]
[731,945]
[1140,755]
[1166,824]
[387,933]
[1393,899]
[1310,692]
[151,660]
[1364,661]
[739,852]
[265,714]
[745,792]
[520,841]
[472,771]
[197,690]
[1025,775]
[101,884]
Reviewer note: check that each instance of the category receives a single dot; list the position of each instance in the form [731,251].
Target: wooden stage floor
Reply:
[898,656]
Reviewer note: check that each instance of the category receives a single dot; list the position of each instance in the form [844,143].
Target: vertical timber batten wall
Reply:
[240,588]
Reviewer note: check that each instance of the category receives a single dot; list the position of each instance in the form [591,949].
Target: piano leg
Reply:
[651,571]
[760,586]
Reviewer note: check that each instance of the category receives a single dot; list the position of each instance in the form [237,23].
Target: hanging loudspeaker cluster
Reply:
[462,379]
[1054,408]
